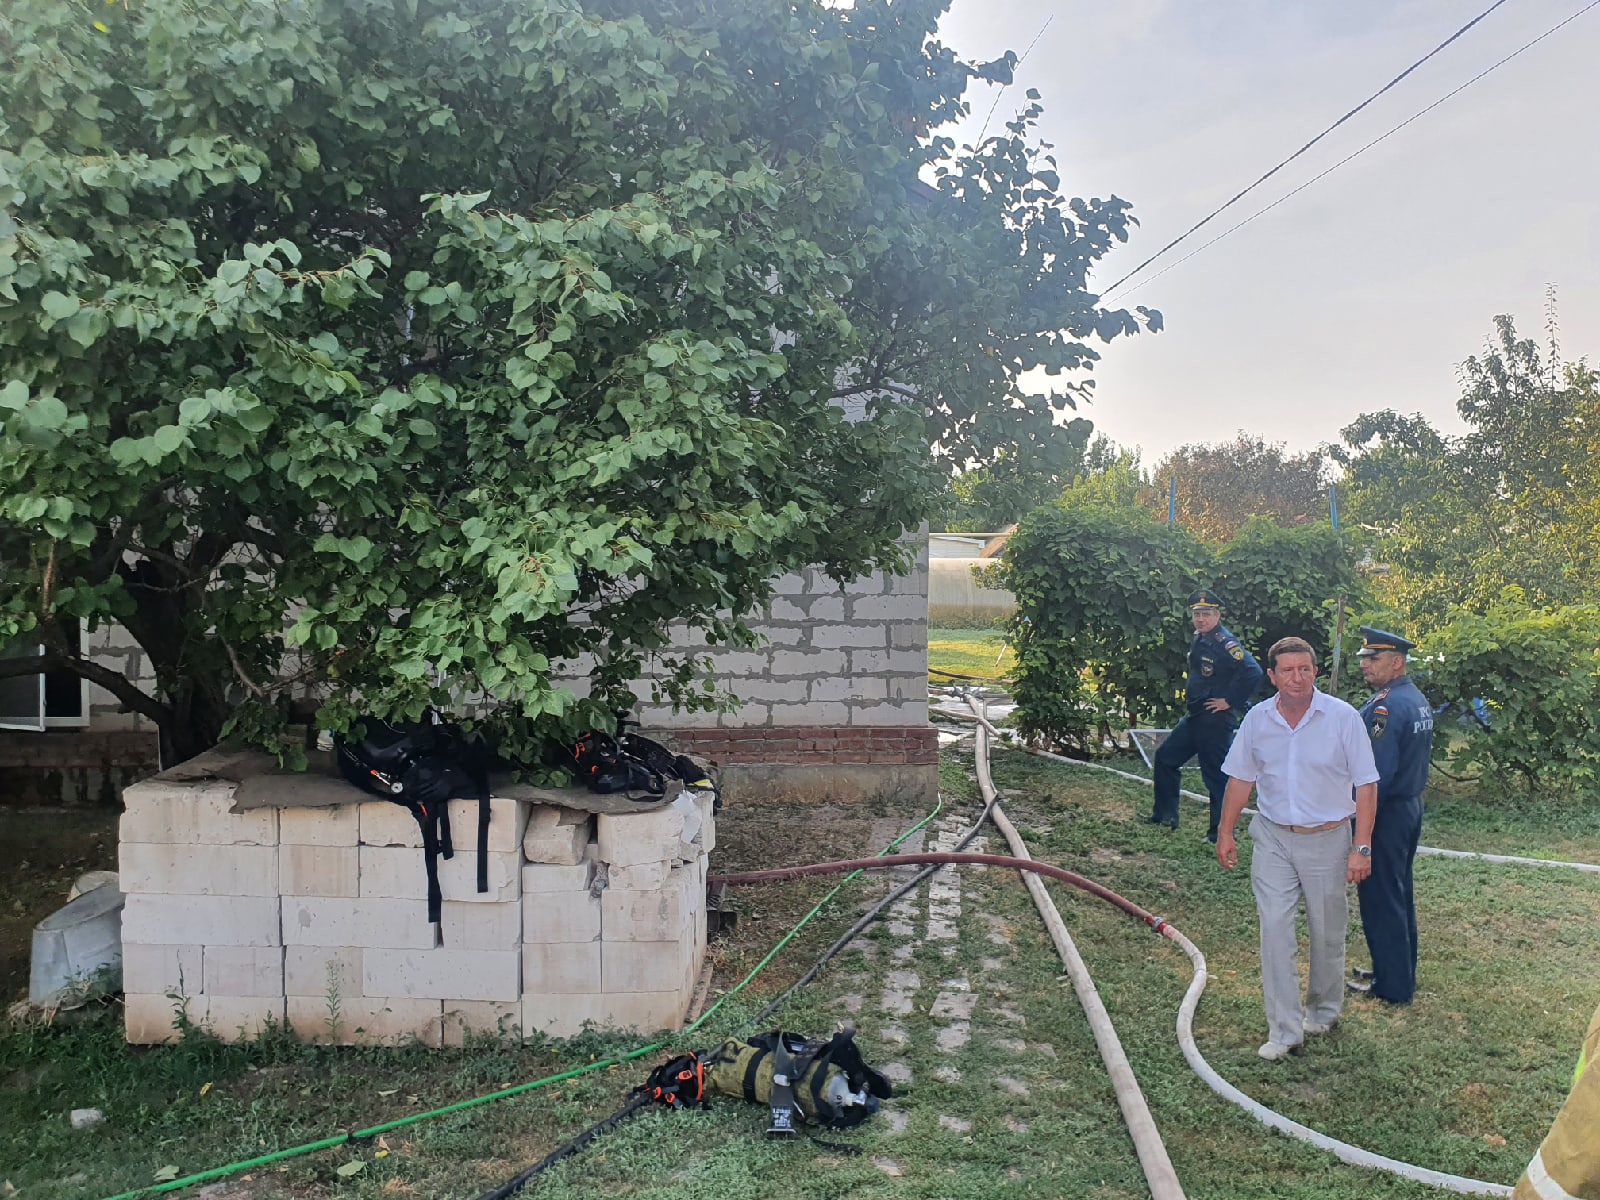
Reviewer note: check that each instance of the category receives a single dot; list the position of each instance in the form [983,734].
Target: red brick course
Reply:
[916,745]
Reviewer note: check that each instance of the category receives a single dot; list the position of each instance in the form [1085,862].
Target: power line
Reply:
[990,115]
[1357,153]
[1241,195]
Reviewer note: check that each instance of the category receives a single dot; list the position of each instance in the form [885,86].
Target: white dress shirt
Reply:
[1305,775]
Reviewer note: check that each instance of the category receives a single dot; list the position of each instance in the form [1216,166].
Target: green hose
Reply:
[363,1134]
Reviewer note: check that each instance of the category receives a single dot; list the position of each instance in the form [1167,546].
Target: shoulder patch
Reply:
[1380,721]
[1236,651]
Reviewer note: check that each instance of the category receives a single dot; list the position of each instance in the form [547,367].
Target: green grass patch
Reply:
[978,653]
[1465,1080]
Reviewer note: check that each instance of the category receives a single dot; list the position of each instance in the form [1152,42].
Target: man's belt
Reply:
[1323,828]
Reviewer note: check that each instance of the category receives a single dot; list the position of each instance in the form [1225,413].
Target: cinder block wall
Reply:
[834,705]
[316,918]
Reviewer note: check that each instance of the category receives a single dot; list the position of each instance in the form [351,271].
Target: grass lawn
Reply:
[980,653]
[1465,1080]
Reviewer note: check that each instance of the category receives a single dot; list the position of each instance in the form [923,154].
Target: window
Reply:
[53,699]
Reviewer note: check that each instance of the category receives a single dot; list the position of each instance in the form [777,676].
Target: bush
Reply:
[1096,637]
[1539,672]
[1280,582]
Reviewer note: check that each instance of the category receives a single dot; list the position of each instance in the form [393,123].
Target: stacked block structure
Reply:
[833,703]
[316,918]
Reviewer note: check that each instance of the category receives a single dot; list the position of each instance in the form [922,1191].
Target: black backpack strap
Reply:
[483,833]
[428,821]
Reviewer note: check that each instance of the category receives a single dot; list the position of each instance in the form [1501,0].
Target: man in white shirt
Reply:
[1304,752]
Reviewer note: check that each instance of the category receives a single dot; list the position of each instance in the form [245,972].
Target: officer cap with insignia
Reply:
[1204,598]
[1375,641]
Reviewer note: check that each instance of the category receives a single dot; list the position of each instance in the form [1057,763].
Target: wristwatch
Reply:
[1364,851]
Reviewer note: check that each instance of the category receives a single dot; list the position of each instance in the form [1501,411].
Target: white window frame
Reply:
[42,721]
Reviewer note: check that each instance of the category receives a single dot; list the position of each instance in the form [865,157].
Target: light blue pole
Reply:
[1172,502]
[1333,506]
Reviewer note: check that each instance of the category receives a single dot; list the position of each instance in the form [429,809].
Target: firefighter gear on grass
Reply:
[827,1081]
[1567,1164]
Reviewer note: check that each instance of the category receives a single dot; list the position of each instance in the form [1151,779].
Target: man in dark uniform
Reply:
[1222,677]
[1400,722]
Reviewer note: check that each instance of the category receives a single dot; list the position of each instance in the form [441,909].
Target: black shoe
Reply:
[1153,820]
[1359,987]
[1211,836]
[1361,973]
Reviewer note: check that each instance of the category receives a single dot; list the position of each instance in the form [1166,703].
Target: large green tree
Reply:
[1222,485]
[1511,503]
[388,352]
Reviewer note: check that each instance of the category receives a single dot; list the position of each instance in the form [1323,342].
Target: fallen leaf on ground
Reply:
[351,1168]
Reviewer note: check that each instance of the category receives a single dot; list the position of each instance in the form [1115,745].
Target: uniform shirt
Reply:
[1399,721]
[1305,775]
[1220,666]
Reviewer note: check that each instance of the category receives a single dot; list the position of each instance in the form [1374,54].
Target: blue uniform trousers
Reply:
[1388,904]
[1207,736]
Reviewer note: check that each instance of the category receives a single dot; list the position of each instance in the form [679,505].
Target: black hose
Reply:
[517,1182]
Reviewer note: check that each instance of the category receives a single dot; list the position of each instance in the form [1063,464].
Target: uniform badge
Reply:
[1236,651]
[1207,667]
[1380,721]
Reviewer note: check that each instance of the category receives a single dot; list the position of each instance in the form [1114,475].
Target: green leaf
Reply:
[661,355]
[58,306]
[166,1174]
[14,394]
[169,437]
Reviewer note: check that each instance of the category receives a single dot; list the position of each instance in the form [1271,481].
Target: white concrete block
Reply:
[243,971]
[363,1020]
[156,970]
[642,877]
[555,835]
[660,914]
[559,1015]
[387,824]
[153,920]
[481,926]
[644,1011]
[561,968]
[195,870]
[148,1019]
[706,802]
[442,973]
[629,839]
[193,814]
[560,917]
[311,870]
[497,1018]
[336,921]
[627,967]
[540,878]
[400,872]
[326,971]
[331,825]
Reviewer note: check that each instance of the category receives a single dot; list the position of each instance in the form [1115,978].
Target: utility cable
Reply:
[1357,153]
[1252,187]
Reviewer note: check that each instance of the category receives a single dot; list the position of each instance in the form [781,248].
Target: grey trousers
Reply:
[1285,869]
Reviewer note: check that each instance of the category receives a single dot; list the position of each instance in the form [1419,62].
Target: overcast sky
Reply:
[1366,290]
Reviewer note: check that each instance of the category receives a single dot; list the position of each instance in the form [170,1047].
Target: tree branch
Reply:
[118,685]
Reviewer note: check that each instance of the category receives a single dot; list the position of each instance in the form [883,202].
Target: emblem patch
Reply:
[1236,651]
[1207,667]
[1380,721]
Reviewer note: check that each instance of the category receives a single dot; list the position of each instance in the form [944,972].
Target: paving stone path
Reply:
[931,918]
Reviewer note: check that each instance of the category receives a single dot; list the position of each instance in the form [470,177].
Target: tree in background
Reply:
[1222,485]
[1513,502]
[995,497]
[1279,582]
[389,354]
